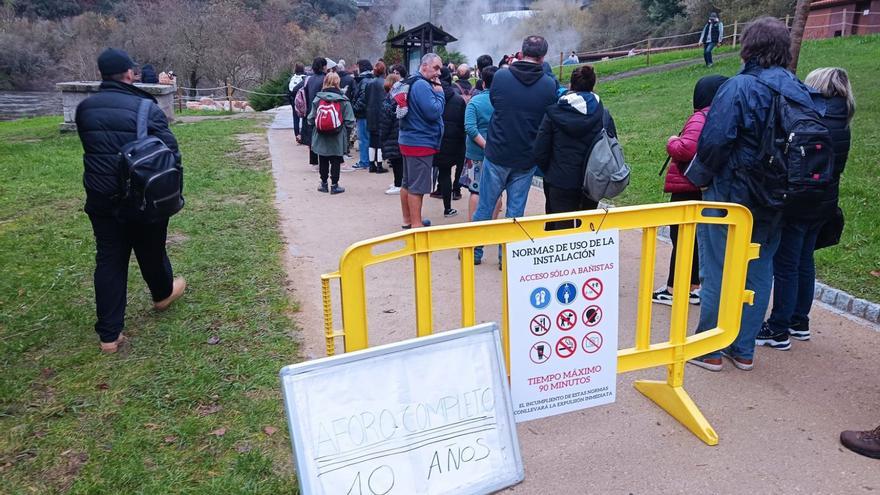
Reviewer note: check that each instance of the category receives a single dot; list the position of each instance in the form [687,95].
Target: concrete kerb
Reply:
[833,299]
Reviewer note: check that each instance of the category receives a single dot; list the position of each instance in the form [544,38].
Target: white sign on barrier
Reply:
[563,302]
[430,415]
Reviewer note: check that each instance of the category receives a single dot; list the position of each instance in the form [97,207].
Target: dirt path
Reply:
[660,68]
[778,424]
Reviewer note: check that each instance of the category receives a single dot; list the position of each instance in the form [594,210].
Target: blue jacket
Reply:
[520,96]
[423,123]
[476,121]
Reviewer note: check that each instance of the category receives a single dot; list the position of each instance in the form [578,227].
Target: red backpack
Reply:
[328,117]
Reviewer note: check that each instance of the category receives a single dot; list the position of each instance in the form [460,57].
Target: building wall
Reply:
[829,19]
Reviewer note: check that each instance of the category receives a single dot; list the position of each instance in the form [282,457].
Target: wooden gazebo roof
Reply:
[420,34]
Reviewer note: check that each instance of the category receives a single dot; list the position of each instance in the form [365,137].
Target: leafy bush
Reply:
[274,86]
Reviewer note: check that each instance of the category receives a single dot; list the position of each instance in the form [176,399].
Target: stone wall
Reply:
[73,93]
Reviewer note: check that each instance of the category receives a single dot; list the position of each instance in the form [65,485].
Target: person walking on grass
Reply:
[794,270]
[421,130]
[728,155]
[105,123]
[564,142]
[681,150]
[520,96]
[331,120]
[452,146]
[711,36]
[389,129]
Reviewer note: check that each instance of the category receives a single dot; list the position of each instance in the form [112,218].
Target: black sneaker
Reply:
[800,331]
[662,296]
[323,187]
[778,341]
[694,297]
[336,189]
[450,212]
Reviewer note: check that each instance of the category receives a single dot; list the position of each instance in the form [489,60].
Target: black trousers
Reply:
[559,200]
[456,182]
[673,234]
[397,168]
[329,165]
[114,241]
[444,183]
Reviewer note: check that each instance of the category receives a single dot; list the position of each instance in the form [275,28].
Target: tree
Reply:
[392,55]
[801,12]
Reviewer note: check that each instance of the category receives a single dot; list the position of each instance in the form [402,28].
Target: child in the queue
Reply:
[794,270]
[389,128]
[332,120]
[681,150]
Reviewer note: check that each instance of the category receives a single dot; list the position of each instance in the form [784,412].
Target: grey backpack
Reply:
[606,173]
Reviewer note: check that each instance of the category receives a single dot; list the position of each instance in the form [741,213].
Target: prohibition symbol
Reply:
[566,346]
[540,325]
[592,342]
[592,289]
[540,352]
[592,315]
[566,320]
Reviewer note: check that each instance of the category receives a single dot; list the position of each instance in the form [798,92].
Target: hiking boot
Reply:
[450,212]
[177,288]
[336,189]
[778,341]
[456,195]
[866,443]
[372,167]
[800,331]
[381,170]
[741,363]
[707,363]
[323,187]
[662,296]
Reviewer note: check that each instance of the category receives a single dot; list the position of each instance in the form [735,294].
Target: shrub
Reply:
[274,86]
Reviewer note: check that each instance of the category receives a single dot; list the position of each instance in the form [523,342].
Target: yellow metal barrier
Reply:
[674,353]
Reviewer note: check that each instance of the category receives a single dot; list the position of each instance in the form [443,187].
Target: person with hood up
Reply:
[520,96]
[728,150]
[346,79]
[681,150]
[330,147]
[373,99]
[297,79]
[711,36]
[452,146]
[565,140]
[359,104]
[148,74]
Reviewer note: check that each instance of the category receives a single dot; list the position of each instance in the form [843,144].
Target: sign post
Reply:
[563,314]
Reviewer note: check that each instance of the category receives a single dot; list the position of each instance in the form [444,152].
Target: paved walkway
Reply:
[778,424]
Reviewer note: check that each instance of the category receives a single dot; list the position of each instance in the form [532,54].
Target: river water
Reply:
[19,104]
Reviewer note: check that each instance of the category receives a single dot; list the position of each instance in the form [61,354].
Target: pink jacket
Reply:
[682,150]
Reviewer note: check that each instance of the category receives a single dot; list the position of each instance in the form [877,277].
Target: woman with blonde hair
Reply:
[331,120]
[794,272]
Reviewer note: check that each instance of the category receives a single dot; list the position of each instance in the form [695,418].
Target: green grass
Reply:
[649,108]
[75,421]
[605,68]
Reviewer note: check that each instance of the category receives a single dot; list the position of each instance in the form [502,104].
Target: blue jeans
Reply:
[707,52]
[794,275]
[494,180]
[712,241]
[363,142]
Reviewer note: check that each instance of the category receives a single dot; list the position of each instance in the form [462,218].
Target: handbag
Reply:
[829,234]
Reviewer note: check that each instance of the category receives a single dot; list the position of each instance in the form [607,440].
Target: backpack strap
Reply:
[143,114]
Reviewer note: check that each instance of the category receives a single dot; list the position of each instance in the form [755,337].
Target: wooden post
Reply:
[735,32]
[843,23]
[179,99]
[560,67]
[648,53]
[787,16]
[229,94]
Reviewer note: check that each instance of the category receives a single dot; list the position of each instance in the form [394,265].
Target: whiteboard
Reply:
[431,415]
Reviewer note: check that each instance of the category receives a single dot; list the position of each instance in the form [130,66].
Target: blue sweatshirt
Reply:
[520,96]
[423,123]
[476,121]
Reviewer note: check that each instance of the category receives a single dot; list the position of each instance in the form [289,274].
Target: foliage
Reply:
[453,56]
[661,10]
[393,55]
[647,109]
[181,412]
[275,86]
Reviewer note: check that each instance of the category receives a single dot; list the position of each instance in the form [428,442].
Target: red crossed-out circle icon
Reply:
[592,315]
[592,289]
[566,320]
[540,352]
[566,346]
[592,342]
[540,325]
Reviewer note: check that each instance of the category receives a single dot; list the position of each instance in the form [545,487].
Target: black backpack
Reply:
[151,176]
[797,157]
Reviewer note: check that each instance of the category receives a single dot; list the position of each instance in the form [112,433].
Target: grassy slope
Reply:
[606,68]
[73,419]
[648,109]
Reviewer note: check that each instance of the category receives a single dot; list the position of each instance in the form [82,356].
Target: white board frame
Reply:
[505,407]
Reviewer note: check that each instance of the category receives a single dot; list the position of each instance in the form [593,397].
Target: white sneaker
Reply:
[345,168]
[392,191]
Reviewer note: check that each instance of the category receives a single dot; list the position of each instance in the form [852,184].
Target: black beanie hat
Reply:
[113,61]
[704,91]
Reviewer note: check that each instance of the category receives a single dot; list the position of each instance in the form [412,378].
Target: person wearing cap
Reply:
[106,122]
[711,36]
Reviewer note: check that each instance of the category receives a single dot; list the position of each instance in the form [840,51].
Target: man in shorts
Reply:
[421,130]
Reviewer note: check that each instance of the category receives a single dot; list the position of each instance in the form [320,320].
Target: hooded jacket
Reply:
[423,124]
[389,129]
[520,95]
[105,123]
[312,86]
[452,146]
[566,136]
[346,83]
[359,95]
[331,144]
[374,97]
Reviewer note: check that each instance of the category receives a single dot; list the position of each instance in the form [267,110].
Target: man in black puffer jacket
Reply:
[106,122]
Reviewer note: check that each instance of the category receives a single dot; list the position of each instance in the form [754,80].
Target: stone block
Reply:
[872,312]
[828,296]
[842,301]
[858,307]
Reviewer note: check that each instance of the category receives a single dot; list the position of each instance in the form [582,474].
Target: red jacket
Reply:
[682,150]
